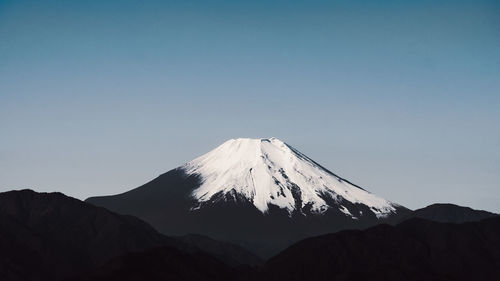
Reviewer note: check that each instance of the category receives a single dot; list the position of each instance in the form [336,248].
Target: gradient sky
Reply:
[400,97]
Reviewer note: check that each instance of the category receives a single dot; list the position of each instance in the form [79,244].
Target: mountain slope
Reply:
[49,236]
[270,172]
[259,193]
[24,255]
[414,250]
[229,253]
[75,235]
[163,263]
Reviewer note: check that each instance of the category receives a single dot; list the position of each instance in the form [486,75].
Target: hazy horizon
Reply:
[99,97]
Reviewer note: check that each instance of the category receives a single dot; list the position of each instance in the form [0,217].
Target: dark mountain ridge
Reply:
[69,235]
[450,213]
[49,236]
[416,249]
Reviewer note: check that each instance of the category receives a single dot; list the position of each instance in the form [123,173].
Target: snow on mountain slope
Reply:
[270,172]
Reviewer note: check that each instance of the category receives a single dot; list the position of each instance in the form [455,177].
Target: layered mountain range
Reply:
[251,209]
[49,236]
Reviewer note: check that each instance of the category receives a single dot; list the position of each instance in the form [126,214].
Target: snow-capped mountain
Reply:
[270,172]
[260,193]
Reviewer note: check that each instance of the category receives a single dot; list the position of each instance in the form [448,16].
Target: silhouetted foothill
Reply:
[49,236]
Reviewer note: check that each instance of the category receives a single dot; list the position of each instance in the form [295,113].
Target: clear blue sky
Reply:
[400,97]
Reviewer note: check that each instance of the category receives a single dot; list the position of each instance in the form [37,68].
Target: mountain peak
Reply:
[255,141]
[268,171]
